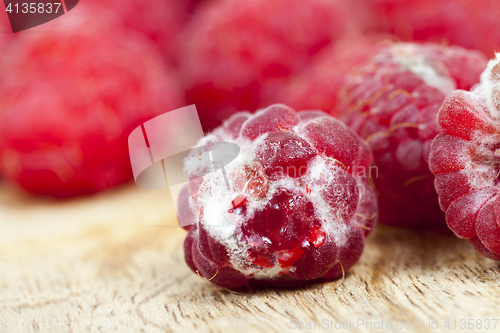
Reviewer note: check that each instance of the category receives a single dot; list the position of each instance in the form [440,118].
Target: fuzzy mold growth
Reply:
[297,208]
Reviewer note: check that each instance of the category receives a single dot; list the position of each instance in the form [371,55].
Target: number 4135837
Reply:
[470,324]
[33,8]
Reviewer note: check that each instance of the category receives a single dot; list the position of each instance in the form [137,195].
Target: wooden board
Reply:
[114,261]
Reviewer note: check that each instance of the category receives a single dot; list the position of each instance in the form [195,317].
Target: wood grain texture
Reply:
[114,262]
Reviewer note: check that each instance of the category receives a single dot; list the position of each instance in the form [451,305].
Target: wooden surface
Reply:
[114,262]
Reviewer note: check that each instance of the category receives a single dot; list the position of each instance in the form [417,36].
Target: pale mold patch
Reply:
[239,257]
[479,171]
[407,55]
[480,176]
[215,197]
[262,272]
[488,86]
[331,220]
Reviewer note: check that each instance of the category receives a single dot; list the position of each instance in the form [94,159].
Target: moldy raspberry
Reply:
[465,158]
[297,208]
[392,101]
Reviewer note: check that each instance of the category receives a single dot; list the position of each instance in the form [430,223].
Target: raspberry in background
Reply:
[317,87]
[471,24]
[297,208]
[392,101]
[465,159]
[236,55]
[71,98]
[192,5]
[160,20]
[6,36]
[6,33]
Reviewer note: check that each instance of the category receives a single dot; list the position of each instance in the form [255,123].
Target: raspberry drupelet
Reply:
[297,208]
[392,101]
[465,159]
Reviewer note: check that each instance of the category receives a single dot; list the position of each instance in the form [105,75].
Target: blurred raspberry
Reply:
[6,36]
[160,20]
[237,54]
[70,100]
[465,158]
[5,29]
[6,33]
[317,87]
[468,23]
[192,5]
[297,209]
[392,101]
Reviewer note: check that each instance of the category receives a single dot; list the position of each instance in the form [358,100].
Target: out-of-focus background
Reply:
[73,89]
[83,248]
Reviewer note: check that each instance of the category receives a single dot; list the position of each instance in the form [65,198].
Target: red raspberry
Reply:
[70,99]
[238,53]
[440,21]
[5,29]
[297,209]
[317,87]
[392,101]
[192,5]
[5,37]
[161,20]
[465,160]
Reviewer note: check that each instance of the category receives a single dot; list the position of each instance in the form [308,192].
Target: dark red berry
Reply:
[300,224]
[392,101]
